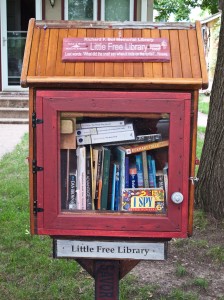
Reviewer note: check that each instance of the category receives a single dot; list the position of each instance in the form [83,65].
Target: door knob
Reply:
[177,197]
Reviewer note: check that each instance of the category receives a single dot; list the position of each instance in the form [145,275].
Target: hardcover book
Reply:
[100,124]
[135,148]
[105,178]
[72,192]
[81,178]
[106,137]
[143,200]
[139,167]
[88,180]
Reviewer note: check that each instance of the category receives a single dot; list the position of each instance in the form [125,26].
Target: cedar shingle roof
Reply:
[43,64]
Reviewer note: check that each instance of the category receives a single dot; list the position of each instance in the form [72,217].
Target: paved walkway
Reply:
[10,136]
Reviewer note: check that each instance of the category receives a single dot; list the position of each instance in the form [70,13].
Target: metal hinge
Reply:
[36,209]
[194,179]
[35,167]
[36,121]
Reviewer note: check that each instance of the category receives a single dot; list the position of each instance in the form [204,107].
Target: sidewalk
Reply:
[10,136]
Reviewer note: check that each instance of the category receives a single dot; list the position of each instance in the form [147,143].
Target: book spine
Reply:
[121,161]
[144,147]
[113,137]
[98,180]
[113,186]
[105,181]
[139,167]
[160,180]
[133,178]
[94,173]
[88,181]
[100,124]
[145,169]
[126,127]
[165,174]
[72,192]
[81,175]
[126,172]
[153,167]
[117,188]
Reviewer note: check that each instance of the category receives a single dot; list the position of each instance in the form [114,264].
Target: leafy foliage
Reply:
[181,8]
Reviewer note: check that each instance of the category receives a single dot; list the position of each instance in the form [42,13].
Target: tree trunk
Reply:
[210,188]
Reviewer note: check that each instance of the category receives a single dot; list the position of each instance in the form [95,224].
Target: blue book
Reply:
[126,171]
[151,171]
[139,166]
[113,186]
[105,178]
[117,188]
[120,155]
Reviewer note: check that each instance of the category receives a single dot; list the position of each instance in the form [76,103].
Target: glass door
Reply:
[15,16]
[89,142]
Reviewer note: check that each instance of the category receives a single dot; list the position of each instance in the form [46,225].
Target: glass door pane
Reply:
[114,163]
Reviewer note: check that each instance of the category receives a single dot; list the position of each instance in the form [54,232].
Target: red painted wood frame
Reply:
[52,221]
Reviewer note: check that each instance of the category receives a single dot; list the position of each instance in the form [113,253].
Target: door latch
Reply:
[194,180]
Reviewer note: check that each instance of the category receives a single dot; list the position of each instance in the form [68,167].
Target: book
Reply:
[120,156]
[165,174]
[138,140]
[126,127]
[94,152]
[88,180]
[72,205]
[97,197]
[135,148]
[100,124]
[143,200]
[117,188]
[151,171]
[160,179]
[139,167]
[105,178]
[145,169]
[81,178]
[149,137]
[115,170]
[126,172]
[104,138]
[133,178]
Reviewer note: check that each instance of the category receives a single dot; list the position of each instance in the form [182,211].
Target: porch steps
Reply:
[13,108]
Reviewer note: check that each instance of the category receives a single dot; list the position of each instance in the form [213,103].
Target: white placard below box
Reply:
[110,249]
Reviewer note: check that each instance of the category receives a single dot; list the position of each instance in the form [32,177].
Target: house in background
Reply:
[210,31]
[15,15]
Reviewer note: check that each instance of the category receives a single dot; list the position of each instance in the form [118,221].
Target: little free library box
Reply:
[113,118]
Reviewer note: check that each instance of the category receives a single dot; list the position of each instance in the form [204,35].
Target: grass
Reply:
[203,105]
[27,269]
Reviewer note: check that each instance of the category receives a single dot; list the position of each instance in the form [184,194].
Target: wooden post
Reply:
[106,274]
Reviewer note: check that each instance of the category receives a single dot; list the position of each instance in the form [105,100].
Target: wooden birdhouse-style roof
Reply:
[43,65]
